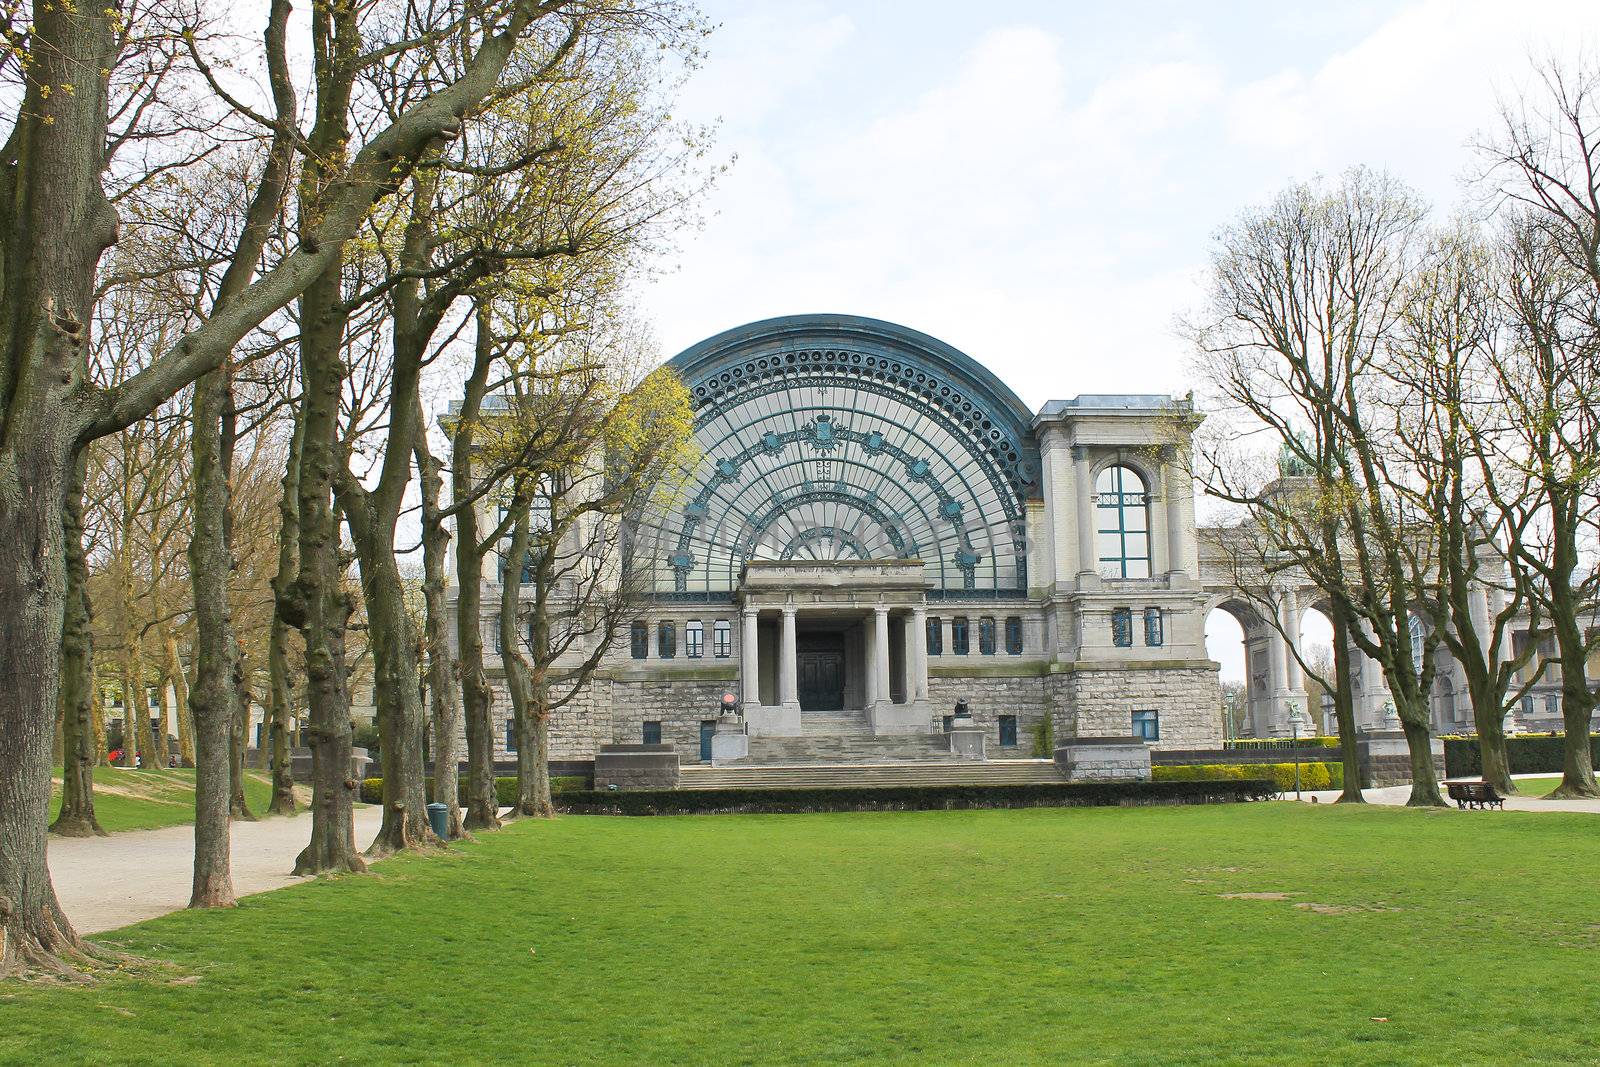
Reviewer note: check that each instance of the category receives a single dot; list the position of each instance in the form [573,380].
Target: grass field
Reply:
[1260,933]
[1537,787]
[126,799]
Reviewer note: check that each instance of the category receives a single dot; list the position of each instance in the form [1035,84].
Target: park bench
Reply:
[1475,795]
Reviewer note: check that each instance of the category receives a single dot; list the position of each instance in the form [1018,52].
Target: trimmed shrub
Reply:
[1527,754]
[1312,775]
[1318,741]
[909,798]
[505,788]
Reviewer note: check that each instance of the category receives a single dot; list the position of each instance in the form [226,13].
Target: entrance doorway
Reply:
[819,663]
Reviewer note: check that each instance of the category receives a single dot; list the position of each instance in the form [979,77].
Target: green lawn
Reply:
[984,937]
[126,799]
[1537,787]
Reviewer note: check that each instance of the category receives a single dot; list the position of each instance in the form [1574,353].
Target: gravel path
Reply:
[1398,794]
[106,882]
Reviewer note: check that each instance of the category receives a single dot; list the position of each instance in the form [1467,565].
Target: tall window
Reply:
[1415,628]
[935,636]
[1153,635]
[666,640]
[639,638]
[1147,725]
[1122,508]
[958,636]
[511,735]
[1122,627]
[652,733]
[722,639]
[694,639]
[986,635]
[1014,635]
[1008,731]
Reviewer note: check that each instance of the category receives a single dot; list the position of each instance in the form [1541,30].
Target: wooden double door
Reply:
[819,667]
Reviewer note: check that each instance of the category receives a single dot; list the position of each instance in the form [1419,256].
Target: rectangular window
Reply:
[722,639]
[494,637]
[1152,627]
[511,735]
[667,640]
[639,638]
[1552,704]
[935,636]
[1014,635]
[1147,725]
[986,635]
[948,721]
[652,733]
[958,636]
[155,699]
[1008,731]
[1122,627]
[694,639]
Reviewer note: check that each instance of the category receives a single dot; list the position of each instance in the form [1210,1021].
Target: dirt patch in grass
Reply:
[1255,896]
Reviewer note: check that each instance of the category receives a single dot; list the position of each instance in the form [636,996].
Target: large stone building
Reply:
[878,527]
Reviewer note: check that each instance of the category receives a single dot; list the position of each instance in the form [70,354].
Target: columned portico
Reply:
[836,623]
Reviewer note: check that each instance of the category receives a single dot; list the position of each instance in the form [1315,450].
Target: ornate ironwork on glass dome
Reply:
[831,437]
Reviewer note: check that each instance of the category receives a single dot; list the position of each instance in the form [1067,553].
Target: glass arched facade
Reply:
[842,438]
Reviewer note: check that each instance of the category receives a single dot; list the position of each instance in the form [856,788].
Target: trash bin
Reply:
[439,819]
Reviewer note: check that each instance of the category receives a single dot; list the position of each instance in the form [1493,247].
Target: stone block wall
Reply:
[989,698]
[680,706]
[1100,702]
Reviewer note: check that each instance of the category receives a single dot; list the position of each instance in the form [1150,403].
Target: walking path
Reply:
[1398,794]
[106,882]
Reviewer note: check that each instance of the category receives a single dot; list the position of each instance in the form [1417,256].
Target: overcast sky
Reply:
[1038,183]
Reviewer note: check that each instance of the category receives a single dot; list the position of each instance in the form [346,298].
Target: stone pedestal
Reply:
[730,741]
[1101,759]
[767,720]
[636,767]
[1385,759]
[967,739]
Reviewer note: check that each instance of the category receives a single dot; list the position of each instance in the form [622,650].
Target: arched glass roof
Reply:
[838,437]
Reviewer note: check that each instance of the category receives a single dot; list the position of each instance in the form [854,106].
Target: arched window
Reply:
[1122,508]
[1414,625]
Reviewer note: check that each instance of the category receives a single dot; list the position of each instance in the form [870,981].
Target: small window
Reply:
[958,636]
[935,636]
[1008,731]
[949,720]
[667,640]
[1122,627]
[986,635]
[722,639]
[694,639]
[1014,635]
[1147,725]
[1552,704]
[652,733]
[155,699]
[639,637]
[494,637]
[1152,627]
[511,735]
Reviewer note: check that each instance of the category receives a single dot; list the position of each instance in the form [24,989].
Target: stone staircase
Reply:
[866,775]
[858,746]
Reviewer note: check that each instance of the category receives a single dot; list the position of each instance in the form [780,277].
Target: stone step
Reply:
[829,723]
[848,748]
[868,776]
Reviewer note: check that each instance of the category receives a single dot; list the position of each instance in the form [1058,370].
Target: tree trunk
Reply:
[1577,702]
[1489,717]
[400,714]
[239,741]
[180,699]
[78,695]
[441,664]
[1345,712]
[283,799]
[317,603]
[483,805]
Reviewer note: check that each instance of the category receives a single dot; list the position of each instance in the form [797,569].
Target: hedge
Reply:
[505,789]
[1527,754]
[908,798]
[1317,741]
[1312,775]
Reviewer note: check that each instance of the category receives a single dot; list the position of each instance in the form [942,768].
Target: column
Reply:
[1087,521]
[1289,619]
[918,657]
[1277,682]
[880,654]
[788,678]
[1178,490]
[749,667]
